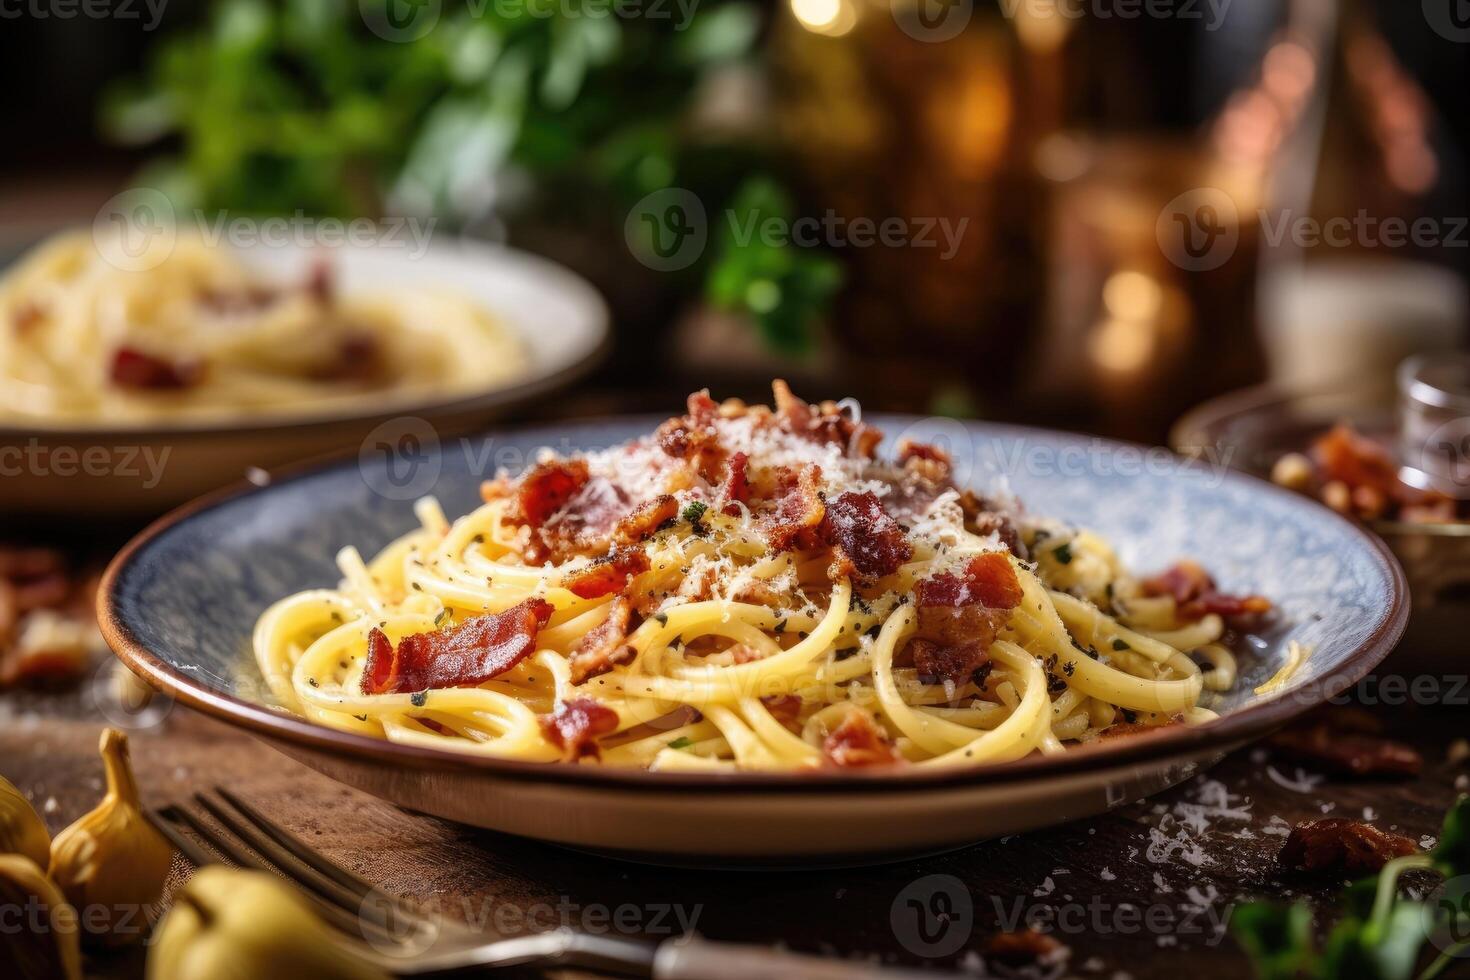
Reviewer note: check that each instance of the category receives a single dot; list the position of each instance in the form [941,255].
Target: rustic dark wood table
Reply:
[1143,892]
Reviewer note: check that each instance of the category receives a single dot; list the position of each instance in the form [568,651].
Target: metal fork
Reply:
[406,941]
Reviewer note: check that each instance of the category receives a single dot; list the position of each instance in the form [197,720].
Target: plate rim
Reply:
[1247,723]
[371,406]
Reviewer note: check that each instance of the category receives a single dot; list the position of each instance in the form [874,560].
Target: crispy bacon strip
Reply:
[959,615]
[736,487]
[867,544]
[462,656]
[576,725]
[797,509]
[983,518]
[1338,845]
[645,519]
[825,424]
[604,646]
[692,438]
[1196,596]
[547,488]
[607,574]
[925,460]
[857,743]
[133,368]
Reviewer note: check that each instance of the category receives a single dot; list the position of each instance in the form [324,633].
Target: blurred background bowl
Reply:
[108,472]
[1250,430]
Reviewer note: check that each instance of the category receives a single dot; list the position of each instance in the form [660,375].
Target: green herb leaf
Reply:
[682,742]
[1277,937]
[1452,854]
[694,511]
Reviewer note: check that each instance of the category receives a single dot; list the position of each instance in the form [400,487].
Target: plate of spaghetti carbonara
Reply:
[766,597]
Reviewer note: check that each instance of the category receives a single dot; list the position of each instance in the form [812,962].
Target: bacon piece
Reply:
[462,656]
[959,614]
[985,580]
[132,368]
[692,438]
[547,488]
[867,543]
[798,508]
[857,743]
[1338,845]
[1347,753]
[785,708]
[1344,455]
[607,574]
[1196,596]
[736,487]
[576,725]
[924,460]
[826,424]
[1024,948]
[983,517]
[604,646]
[359,357]
[645,519]
[1124,729]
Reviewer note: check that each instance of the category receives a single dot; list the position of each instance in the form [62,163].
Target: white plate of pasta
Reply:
[760,632]
[133,378]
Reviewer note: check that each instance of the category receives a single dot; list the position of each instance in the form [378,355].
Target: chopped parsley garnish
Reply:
[682,742]
[662,618]
[1121,644]
[1063,553]
[694,511]
[419,698]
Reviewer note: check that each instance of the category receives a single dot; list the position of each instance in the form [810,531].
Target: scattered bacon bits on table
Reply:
[1331,743]
[47,624]
[575,726]
[1335,844]
[1024,947]
[461,656]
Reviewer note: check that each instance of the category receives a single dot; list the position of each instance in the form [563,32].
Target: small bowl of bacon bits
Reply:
[1394,457]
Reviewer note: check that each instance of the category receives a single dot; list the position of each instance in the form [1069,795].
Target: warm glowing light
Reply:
[830,17]
[1122,346]
[1133,296]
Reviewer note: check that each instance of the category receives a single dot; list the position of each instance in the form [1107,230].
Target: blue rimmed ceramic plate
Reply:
[179,603]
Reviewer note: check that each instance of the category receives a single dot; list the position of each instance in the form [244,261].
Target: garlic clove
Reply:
[112,864]
[22,831]
[46,944]
[228,924]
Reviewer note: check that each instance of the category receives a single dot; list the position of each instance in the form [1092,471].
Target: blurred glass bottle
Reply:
[1361,211]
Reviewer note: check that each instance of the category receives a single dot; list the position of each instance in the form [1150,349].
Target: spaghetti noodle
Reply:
[748,589]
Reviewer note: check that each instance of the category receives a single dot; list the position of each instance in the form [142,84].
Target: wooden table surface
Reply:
[1143,892]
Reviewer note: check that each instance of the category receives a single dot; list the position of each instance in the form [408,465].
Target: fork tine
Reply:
[296,846]
[348,921]
[371,904]
[185,844]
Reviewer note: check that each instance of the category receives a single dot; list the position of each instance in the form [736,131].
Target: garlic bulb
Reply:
[22,831]
[112,864]
[239,925]
[43,943]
